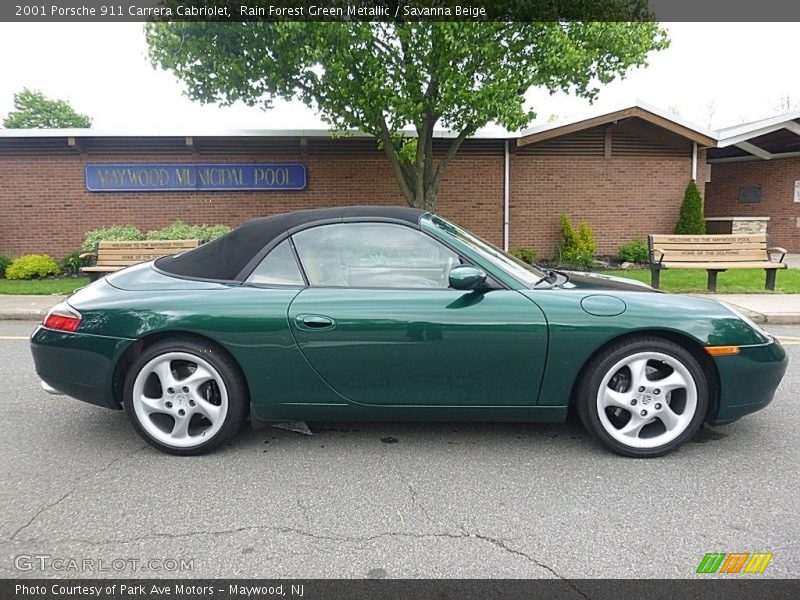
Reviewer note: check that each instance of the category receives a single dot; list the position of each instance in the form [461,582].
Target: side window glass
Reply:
[378,255]
[279,267]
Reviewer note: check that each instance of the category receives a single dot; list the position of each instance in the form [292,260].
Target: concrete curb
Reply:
[783,319]
[770,319]
[26,308]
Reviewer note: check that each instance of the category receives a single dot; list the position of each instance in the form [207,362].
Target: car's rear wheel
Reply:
[185,396]
[643,397]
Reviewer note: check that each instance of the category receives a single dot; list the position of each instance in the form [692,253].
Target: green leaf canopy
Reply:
[382,78]
[34,110]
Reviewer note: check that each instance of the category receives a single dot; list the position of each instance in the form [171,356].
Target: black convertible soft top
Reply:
[225,258]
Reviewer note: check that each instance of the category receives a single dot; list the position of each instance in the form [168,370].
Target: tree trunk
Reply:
[421,179]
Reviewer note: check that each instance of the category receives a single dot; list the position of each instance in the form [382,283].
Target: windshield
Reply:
[527,274]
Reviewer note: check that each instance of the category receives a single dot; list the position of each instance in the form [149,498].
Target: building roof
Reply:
[774,137]
[228,133]
[666,120]
[639,109]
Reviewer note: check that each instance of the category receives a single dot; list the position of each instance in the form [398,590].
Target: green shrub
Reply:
[116,233]
[526,255]
[183,231]
[32,266]
[691,221]
[4,262]
[71,264]
[634,251]
[577,247]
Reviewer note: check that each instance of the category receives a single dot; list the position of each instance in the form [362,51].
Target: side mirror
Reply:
[465,277]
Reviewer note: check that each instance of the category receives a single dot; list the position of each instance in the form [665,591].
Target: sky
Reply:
[714,75]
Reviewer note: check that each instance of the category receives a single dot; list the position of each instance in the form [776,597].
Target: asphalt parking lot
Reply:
[386,500]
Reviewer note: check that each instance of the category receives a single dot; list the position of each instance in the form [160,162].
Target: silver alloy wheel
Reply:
[180,400]
[658,392]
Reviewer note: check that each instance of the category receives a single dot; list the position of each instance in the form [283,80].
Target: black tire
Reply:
[588,388]
[236,387]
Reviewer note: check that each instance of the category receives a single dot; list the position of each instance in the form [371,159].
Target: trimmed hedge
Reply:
[177,230]
[526,255]
[690,220]
[115,233]
[4,262]
[183,231]
[577,247]
[32,266]
[634,251]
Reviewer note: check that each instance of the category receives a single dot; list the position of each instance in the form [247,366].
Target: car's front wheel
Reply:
[643,397]
[185,396]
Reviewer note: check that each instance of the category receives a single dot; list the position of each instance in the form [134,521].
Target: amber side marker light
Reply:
[722,350]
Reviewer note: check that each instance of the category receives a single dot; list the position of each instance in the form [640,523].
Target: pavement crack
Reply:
[304,511]
[45,507]
[502,544]
[462,535]
[416,503]
[38,512]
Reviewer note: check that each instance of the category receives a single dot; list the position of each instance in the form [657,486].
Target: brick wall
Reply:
[620,197]
[45,206]
[777,178]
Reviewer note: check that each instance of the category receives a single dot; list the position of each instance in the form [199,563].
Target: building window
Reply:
[750,195]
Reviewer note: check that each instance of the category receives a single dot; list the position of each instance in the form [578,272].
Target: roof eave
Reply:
[703,138]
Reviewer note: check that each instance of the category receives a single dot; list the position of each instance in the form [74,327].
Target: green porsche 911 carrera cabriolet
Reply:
[383,313]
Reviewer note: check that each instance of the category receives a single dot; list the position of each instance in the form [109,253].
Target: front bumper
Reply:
[748,380]
[78,364]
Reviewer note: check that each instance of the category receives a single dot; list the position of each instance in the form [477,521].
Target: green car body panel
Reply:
[504,353]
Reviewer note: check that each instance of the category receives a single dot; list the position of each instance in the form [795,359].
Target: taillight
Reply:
[62,317]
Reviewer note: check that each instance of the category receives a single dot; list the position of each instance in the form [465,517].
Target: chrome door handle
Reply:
[314,322]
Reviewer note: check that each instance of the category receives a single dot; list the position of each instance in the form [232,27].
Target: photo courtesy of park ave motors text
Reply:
[497,304]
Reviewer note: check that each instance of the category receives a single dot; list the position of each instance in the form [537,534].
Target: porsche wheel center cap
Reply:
[646,398]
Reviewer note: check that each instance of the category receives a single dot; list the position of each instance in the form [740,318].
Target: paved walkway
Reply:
[793,260]
[783,309]
[26,308]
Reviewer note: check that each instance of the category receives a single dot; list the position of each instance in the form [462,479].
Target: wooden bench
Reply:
[715,254]
[115,256]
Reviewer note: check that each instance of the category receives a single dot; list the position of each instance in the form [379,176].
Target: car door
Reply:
[380,325]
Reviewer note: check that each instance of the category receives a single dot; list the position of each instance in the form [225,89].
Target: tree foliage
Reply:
[34,110]
[382,78]
[691,220]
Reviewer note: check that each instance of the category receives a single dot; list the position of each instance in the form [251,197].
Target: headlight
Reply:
[753,325]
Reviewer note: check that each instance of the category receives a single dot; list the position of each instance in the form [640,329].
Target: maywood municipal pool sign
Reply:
[194,177]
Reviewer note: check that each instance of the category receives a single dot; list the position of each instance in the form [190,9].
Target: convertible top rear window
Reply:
[226,258]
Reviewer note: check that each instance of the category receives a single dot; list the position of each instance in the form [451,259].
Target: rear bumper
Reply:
[77,365]
[748,380]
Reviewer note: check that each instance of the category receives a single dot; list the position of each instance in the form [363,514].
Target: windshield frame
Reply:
[521,272]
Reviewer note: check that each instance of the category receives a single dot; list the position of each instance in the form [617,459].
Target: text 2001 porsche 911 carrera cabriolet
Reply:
[378,313]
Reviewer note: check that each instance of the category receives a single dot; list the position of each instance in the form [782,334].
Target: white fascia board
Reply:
[741,133]
[244,133]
